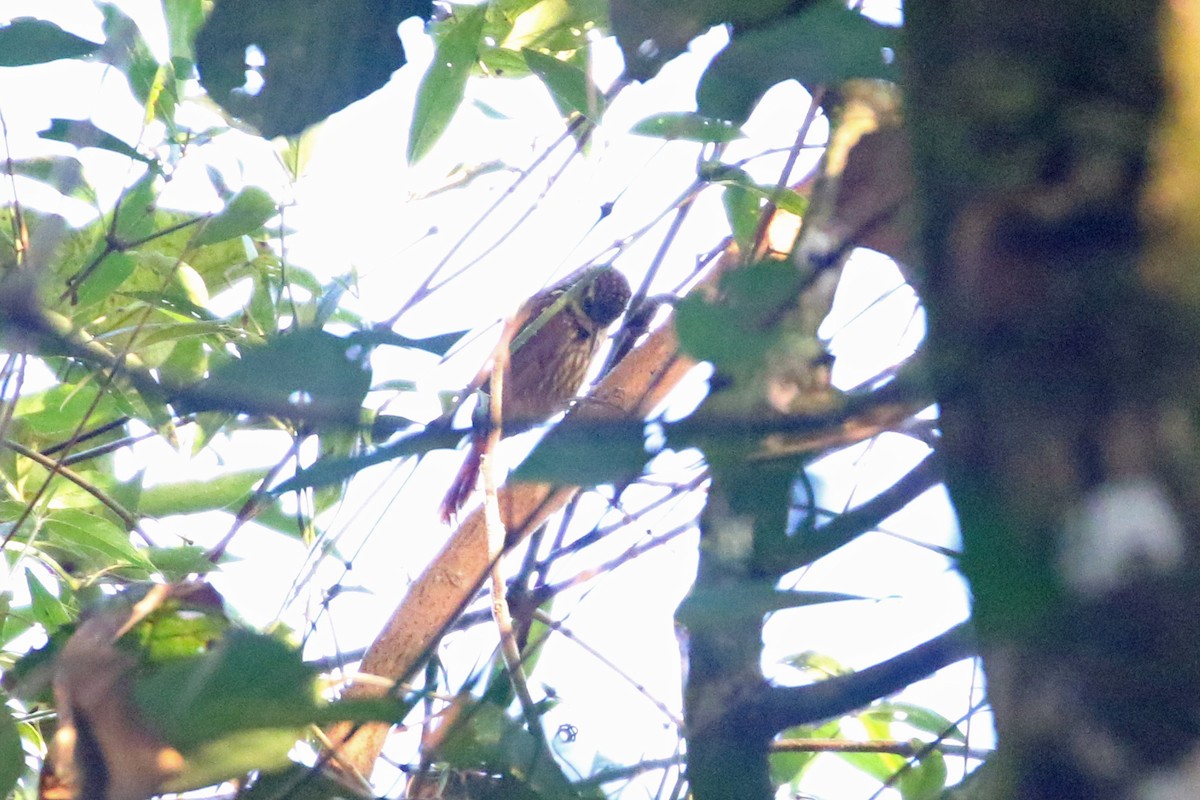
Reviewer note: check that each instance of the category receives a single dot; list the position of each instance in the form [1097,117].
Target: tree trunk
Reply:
[1063,334]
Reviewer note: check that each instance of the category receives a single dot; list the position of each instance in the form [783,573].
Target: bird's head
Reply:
[604,293]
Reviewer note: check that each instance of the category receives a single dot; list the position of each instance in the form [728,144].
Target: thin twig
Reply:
[57,468]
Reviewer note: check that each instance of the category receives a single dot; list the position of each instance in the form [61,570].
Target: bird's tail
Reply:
[464,481]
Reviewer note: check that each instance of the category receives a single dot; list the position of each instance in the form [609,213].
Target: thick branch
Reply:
[780,708]
[634,387]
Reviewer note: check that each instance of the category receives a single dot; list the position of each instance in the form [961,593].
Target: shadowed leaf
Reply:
[36,41]
[317,62]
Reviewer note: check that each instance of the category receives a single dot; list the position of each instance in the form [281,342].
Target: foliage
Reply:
[149,326]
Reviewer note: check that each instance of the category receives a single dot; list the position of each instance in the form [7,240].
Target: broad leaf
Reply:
[789,767]
[318,376]
[184,18]
[785,199]
[47,609]
[735,332]
[926,779]
[244,214]
[743,209]
[570,87]
[587,454]
[12,754]
[687,126]
[826,43]
[88,534]
[444,84]
[226,492]
[36,41]
[317,62]
[85,133]
[716,608]
[651,34]
[335,470]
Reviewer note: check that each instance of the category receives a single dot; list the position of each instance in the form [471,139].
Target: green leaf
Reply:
[176,563]
[247,681]
[443,86]
[316,374]
[825,43]
[245,214]
[225,492]
[438,345]
[926,779]
[46,608]
[82,532]
[534,23]
[489,738]
[582,455]
[688,126]
[786,199]
[734,332]
[743,209]
[187,363]
[56,412]
[12,754]
[570,87]
[918,717]
[184,18]
[318,60]
[37,41]
[752,600]
[880,766]
[136,216]
[105,279]
[85,133]
[789,767]
[329,471]
[501,62]
[153,84]
[234,755]
[43,168]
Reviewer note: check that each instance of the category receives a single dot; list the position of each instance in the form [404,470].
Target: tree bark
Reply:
[1064,353]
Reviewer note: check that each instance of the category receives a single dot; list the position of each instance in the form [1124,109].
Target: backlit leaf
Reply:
[244,214]
[688,126]
[444,84]
[85,133]
[570,87]
[46,608]
[88,533]
[12,755]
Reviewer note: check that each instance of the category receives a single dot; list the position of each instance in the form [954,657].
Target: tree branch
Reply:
[779,707]
[634,387]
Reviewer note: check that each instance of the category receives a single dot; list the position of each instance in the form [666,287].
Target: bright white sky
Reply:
[359,208]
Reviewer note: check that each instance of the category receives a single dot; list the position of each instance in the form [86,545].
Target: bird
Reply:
[556,335]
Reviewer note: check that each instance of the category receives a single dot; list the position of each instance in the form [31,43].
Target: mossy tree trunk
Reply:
[1065,343]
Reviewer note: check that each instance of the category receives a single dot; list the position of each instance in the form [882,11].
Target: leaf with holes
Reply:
[687,126]
[305,374]
[825,43]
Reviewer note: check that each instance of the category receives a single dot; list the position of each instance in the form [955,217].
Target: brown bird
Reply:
[557,334]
